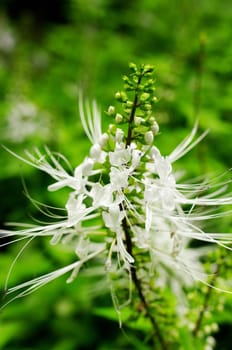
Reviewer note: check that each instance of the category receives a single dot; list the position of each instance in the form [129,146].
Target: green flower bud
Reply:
[128,87]
[155,128]
[148,68]
[118,95]
[152,120]
[214,327]
[133,66]
[118,118]
[149,137]
[121,96]
[112,128]
[127,111]
[103,140]
[111,110]
[129,103]
[138,120]
[124,96]
[135,79]
[125,78]
[154,99]
[144,97]
[119,135]
[147,107]
[150,82]
[141,87]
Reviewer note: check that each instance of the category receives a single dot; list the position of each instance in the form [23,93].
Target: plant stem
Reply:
[139,289]
[126,228]
[199,75]
[206,303]
[132,115]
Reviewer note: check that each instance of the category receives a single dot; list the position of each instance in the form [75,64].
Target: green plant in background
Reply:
[128,212]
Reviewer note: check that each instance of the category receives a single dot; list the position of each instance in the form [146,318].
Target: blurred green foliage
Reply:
[44,62]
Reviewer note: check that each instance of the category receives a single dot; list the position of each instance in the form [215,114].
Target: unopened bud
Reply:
[214,327]
[95,151]
[87,166]
[138,120]
[118,118]
[155,99]
[129,104]
[148,68]
[125,78]
[155,128]
[149,137]
[103,140]
[121,96]
[119,135]
[118,95]
[112,128]
[147,106]
[133,66]
[145,96]
[111,110]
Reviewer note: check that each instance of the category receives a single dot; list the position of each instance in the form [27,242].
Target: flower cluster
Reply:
[125,198]
[25,120]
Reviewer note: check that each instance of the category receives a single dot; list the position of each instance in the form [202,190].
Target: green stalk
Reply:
[129,245]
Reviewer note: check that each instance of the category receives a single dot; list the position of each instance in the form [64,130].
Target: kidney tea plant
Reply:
[129,212]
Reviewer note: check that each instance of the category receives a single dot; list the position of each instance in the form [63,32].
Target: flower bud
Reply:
[119,135]
[112,128]
[150,81]
[151,120]
[103,140]
[154,99]
[138,120]
[148,68]
[155,128]
[118,95]
[125,78]
[133,66]
[147,106]
[144,97]
[95,151]
[87,166]
[129,104]
[149,137]
[118,118]
[214,327]
[121,96]
[111,110]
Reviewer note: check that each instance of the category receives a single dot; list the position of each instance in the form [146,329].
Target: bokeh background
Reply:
[49,50]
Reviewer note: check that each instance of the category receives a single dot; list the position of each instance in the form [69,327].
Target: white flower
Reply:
[128,192]
[118,178]
[102,195]
[97,154]
[120,156]
[149,137]
[78,181]
[34,284]
[125,256]
[168,228]
[76,209]
[136,156]
[25,120]
[91,123]
[119,137]
[7,38]
[93,129]
[113,217]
